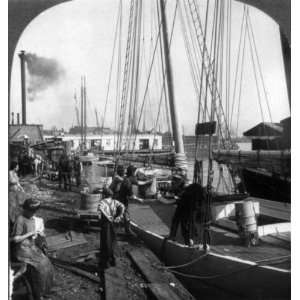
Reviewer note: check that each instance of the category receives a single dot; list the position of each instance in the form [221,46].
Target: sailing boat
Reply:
[266,170]
[260,271]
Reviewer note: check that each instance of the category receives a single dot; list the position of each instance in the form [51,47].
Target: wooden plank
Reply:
[75,270]
[163,292]
[162,283]
[167,292]
[148,267]
[86,254]
[58,209]
[65,240]
[115,285]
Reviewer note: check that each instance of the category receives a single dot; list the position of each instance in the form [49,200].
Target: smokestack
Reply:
[12,118]
[18,119]
[23,86]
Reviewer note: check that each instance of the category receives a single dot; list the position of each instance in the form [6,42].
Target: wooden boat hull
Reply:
[240,277]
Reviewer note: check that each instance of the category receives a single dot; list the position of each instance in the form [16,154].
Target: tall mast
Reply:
[81,119]
[176,127]
[84,97]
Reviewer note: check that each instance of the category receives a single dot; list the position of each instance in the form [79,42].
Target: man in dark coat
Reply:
[191,199]
[64,169]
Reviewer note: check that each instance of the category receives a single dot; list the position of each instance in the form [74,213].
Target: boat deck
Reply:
[272,250]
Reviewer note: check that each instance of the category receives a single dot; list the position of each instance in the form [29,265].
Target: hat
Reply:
[31,204]
[120,170]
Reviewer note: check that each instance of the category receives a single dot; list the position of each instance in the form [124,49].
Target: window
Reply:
[144,144]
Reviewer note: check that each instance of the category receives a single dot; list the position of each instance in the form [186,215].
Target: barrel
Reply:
[89,201]
[245,215]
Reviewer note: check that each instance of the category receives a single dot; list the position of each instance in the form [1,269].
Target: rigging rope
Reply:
[111,65]
[151,67]
[241,81]
[201,76]
[228,57]
[254,68]
[196,20]
[257,264]
[237,63]
[259,64]
[163,71]
[117,107]
[125,79]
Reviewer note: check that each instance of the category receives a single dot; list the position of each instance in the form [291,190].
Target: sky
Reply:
[79,35]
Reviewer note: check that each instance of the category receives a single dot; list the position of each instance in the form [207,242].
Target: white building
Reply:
[108,142]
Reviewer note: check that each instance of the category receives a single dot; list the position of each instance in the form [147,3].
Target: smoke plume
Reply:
[44,73]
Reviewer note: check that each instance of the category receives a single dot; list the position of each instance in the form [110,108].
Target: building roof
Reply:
[33,132]
[264,129]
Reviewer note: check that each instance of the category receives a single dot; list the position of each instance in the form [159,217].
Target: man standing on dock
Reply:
[110,211]
[64,169]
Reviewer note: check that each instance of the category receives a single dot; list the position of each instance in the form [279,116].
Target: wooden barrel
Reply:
[89,201]
[245,215]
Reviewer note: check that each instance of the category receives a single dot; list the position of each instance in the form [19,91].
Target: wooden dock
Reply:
[139,274]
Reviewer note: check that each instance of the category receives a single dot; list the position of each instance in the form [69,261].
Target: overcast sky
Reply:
[79,36]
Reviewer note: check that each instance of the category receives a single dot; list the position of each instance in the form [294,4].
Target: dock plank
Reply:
[163,292]
[65,240]
[148,266]
[162,283]
[115,285]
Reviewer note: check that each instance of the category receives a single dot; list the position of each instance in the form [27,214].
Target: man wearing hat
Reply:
[192,199]
[27,230]
[117,181]
[110,211]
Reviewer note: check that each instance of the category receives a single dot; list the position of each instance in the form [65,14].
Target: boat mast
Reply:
[176,127]
[81,115]
[85,123]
